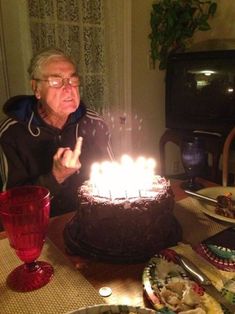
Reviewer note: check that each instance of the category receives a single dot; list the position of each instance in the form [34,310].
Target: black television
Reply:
[200,91]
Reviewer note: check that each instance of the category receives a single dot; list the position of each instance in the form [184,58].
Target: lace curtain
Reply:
[4,86]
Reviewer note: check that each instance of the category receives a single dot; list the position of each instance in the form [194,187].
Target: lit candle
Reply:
[126,179]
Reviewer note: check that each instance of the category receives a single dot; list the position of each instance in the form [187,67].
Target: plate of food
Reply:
[113,309]
[224,209]
[168,287]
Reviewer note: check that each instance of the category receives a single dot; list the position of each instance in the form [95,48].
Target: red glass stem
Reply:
[32,267]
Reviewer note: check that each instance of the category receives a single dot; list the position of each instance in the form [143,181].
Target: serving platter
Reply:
[219,249]
[113,309]
[161,271]
[209,208]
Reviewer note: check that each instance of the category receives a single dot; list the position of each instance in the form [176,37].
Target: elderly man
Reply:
[51,138]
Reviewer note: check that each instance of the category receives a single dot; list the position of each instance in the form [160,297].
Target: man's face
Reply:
[58,101]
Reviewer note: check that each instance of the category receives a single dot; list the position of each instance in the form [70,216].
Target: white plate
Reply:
[209,208]
[112,309]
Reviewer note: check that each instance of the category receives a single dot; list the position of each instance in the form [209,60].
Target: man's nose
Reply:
[66,83]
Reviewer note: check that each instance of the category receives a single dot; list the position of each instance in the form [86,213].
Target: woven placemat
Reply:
[196,225]
[68,289]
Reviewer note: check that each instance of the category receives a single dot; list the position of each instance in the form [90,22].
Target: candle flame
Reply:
[127,179]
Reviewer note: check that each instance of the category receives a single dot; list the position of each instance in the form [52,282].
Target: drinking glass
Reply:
[25,212]
[194,159]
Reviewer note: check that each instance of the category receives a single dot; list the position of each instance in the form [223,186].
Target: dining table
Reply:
[124,279]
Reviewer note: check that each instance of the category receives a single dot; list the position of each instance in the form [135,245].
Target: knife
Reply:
[204,281]
[203,197]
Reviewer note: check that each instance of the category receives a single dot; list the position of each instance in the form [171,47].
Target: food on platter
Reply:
[224,205]
[169,288]
[212,209]
[181,295]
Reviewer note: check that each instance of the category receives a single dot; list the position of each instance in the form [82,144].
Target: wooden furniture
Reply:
[226,153]
[213,145]
[125,280]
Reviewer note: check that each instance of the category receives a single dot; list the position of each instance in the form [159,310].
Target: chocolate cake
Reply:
[127,229]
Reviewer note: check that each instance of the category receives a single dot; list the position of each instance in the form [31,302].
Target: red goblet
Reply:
[25,215]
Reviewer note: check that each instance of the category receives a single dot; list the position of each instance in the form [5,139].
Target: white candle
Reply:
[126,179]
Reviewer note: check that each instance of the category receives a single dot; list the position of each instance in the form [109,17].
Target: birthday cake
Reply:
[130,228]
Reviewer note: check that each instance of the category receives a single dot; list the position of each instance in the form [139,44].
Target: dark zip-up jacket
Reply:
[28,144]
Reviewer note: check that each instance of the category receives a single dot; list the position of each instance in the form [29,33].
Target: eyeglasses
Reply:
[58,82]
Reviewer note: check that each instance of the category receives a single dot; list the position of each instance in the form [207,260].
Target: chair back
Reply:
[226,150]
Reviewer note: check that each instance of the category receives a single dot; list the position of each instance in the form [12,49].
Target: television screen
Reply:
[200,91]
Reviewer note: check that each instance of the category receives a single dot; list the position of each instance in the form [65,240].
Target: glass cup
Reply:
[25,213]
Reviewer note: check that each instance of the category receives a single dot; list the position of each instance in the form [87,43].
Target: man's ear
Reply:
[35,89]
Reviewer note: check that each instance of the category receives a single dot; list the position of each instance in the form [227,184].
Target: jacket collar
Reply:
[22,107]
